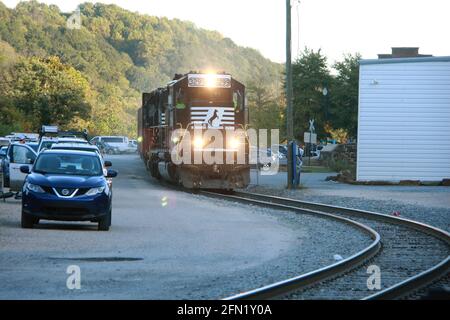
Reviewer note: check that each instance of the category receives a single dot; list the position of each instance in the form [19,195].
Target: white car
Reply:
[75,146]
[133,146]
[47,142]
[118,143]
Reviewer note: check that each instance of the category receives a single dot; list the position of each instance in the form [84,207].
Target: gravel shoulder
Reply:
[429,205]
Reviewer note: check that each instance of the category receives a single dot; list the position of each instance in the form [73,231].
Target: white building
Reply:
[404,119]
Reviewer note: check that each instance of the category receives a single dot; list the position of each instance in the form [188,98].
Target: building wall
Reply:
[404,120]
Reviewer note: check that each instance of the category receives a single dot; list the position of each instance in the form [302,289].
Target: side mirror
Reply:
[108,164]
[111,173]
[25,169]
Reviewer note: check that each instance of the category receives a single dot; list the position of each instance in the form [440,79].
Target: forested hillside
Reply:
[115,56]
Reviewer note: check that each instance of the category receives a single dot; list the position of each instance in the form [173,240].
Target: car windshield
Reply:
[113,140]
[70,164]
[47,144]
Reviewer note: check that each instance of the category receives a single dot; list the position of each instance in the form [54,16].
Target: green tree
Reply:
[344,95]
[265,106]
[310,75]
[46,91]
[10,117]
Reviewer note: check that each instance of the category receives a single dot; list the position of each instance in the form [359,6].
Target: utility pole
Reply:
[289,112]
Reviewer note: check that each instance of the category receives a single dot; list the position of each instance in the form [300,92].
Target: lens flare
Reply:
[211,80]
[233,143]
[198,142]
[164,201]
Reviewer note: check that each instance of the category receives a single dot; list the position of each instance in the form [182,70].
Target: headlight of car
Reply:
[94,191]
[34,188]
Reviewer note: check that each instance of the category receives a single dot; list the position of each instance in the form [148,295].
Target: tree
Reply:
[265,108]
[310,75]
[344,96]
[46,91]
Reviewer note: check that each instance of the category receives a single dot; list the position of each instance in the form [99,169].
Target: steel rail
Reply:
[315,276]
[396,291]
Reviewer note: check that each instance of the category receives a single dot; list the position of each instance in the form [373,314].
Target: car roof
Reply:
[73,145]
[112,137]
[72,139]
[49,138]
[66,151]
[63,139]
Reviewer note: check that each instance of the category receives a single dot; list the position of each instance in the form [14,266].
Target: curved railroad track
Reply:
[410,255]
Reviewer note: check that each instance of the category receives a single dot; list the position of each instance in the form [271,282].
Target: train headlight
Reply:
[139,139]
[198,142]
[233,143]
[175,139]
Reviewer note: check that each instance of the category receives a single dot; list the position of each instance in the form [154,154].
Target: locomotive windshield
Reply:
[221,96]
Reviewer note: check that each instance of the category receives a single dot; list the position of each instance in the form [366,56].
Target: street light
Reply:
[325,95]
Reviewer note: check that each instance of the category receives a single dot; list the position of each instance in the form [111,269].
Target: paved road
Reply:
[180,246]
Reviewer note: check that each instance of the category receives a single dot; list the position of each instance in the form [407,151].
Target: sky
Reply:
[337,27]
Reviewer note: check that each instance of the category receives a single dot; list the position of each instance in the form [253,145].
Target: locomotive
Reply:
[193,132]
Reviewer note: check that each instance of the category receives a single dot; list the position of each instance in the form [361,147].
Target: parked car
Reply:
[47,142]
[281,153]
[33,145]
[18,155]
[132,146]
[67,185]
[75,146]
[4,142]
[116,144]
[265,157]
[3,152]
[106,148]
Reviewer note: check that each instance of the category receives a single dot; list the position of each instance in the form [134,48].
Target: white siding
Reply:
[404,121]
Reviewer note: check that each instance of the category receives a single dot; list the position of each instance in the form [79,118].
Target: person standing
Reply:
[298,163]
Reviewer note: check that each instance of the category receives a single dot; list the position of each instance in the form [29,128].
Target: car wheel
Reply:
[27,221]
[105,222]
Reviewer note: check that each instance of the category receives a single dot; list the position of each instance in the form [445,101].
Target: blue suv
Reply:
[67,185]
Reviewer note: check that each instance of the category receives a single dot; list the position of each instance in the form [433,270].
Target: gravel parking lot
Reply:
[165,244]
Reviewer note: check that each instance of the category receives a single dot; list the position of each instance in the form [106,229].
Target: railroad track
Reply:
[410,255]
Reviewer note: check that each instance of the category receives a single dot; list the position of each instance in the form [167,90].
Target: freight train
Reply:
[192,132]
